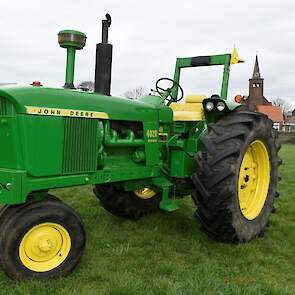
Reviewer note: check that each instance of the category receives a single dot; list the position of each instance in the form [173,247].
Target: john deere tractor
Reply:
[139,155]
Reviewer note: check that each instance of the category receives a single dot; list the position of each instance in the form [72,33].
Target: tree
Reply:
[284,105]
[86,85]
[135,93]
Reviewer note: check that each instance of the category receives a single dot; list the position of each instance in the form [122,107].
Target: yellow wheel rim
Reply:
[145,193]
[254,179]
[44,247]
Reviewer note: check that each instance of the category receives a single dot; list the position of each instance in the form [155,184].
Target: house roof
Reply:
[273,112]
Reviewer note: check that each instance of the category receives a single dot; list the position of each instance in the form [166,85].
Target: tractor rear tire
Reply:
[236,183]
[40,239]
[126,204]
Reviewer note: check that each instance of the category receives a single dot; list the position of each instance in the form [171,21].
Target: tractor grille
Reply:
[3,106]
[80,145]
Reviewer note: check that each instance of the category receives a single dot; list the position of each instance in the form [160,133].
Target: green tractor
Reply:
[139,155]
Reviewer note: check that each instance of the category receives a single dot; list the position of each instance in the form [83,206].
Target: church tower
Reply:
[256,102]
[256,82]
[256,96]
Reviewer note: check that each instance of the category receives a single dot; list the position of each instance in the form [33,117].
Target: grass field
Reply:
[168,254]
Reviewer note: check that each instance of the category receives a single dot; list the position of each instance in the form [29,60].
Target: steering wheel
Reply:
[160,90]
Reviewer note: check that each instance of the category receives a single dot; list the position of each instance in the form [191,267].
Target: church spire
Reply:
[256,72]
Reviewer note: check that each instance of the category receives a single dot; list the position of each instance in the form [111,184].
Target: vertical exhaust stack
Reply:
[103,66]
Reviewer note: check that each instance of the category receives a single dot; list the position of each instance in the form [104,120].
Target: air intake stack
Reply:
[72,41]
[103,66]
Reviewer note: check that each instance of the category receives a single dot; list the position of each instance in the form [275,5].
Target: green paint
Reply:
[213,60]
[70,69]
[53,138]
[71,40]
[225,79]
[117,108]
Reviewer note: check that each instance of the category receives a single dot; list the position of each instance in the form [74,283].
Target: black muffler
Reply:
[103,65]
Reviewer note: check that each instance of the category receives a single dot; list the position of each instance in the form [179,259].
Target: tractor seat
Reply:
[191,110]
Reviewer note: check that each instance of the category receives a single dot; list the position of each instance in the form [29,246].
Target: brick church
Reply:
[256,100]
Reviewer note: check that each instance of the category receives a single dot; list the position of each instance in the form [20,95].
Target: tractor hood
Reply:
[42,99]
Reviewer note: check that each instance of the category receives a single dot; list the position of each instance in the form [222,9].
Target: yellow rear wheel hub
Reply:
[145,193]
[254,179]
[45,247]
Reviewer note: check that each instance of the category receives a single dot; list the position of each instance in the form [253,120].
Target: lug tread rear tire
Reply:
[219,162]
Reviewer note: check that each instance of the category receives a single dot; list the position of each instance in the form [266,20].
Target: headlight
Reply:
[209,106]
[220,106]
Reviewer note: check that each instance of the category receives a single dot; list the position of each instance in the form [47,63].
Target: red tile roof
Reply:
[274,113]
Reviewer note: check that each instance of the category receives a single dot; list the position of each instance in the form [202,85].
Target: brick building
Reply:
[256,100]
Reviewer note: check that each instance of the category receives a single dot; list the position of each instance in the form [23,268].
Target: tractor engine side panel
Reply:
[42,139]
[10,155]
[59,145]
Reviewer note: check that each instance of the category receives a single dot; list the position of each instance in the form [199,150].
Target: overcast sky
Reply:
[147,37]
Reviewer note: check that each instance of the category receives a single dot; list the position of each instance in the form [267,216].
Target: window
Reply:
[256,85]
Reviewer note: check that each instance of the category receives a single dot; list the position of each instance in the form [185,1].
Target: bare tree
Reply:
[284,105]
[86,85]
[135,93]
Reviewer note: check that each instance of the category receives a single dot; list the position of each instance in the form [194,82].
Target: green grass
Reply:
[168,254]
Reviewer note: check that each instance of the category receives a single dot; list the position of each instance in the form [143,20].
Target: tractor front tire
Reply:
[236,183]
[127,204]
[40,239]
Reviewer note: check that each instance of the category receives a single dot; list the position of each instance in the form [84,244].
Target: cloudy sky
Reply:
[147,37]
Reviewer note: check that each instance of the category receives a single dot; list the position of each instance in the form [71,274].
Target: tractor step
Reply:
[168,205]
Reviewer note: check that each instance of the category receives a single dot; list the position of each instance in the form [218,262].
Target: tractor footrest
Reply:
[168,205]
